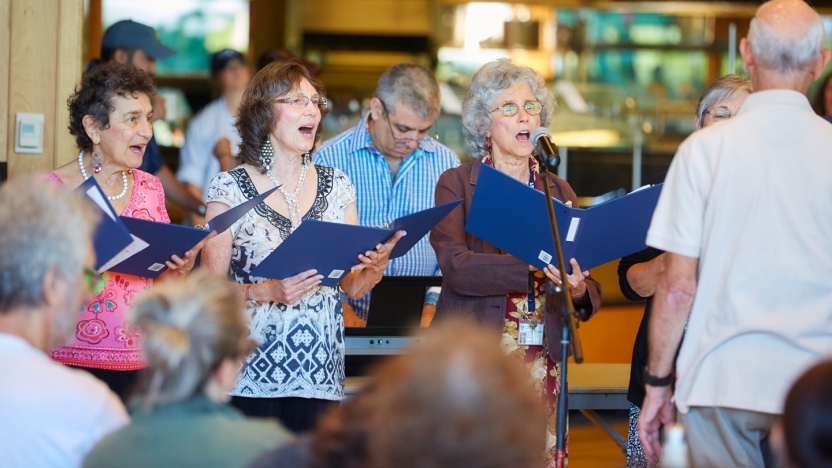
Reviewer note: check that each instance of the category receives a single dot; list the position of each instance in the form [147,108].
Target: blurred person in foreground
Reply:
[395,162]
[297,370]
[212,143]
[195,339]
[131,43]
[804,436]
[51,415]
[456,400]
[109,116]
[745,219]
[505,103]
[639,273]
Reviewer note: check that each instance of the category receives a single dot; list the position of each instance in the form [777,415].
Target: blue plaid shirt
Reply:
[380,199]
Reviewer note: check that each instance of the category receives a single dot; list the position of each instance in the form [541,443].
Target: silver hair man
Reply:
[489,81]
[412,86]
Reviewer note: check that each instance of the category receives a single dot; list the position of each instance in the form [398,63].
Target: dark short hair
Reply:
[94,97]
[807,418]
[256,115]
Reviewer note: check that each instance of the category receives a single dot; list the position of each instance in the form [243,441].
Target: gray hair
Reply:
[413,86]
[783,54]
[724,88]
[43,228]
[189,325]
[489,81]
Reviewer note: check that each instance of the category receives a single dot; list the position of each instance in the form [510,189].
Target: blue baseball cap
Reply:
[223,58]
[128,33]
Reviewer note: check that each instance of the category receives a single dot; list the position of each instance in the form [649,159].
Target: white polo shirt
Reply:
[752,199]
[197,163]
[50,415]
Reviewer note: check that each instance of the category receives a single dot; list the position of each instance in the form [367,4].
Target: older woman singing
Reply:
[297,369]
[504,104]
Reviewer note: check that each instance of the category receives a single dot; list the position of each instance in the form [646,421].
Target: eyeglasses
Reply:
[300,101]
[721,113]
[435,136]
[510,109]
[94,281]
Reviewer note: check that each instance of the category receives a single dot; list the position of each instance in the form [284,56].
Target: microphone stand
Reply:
[570,317]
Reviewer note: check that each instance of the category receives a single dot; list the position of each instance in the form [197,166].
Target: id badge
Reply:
[529,333]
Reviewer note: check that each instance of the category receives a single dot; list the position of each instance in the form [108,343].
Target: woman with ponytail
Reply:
[195,342]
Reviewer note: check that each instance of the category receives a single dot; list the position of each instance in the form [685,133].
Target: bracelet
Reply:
[248,293]
[653,381]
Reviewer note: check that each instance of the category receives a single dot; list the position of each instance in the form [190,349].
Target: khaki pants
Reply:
[725,437]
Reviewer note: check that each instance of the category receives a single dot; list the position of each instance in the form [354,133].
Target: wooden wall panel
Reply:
[393,17]
[70,50]
[5,19]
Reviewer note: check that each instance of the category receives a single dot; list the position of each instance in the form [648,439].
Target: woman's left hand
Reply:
[375,261]
[577,285]
[181,266]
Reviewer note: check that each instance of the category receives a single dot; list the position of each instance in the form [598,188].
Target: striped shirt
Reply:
[380,199]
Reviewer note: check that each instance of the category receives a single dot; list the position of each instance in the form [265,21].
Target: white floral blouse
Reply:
[301,346]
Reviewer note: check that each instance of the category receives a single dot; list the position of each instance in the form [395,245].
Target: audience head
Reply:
[823,99]
[132,43]
[807,419]
[503,102]
[110,113]
[404,109]
[229,70]
[279,106]
[722,99]
[785,44]
[194,336]
[457,400]
[45,254]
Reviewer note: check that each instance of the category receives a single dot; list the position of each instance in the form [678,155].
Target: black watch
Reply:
[653,381]
[201,210]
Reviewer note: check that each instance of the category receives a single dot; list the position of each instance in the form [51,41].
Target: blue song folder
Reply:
[154,243]
[111,235]
[513,217]
[333,248]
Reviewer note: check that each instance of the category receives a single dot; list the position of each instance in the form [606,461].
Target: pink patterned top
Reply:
[104,339]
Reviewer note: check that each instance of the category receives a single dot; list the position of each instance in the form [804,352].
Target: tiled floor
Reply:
[590,446]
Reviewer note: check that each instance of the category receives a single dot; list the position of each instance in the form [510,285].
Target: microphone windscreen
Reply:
[538,132]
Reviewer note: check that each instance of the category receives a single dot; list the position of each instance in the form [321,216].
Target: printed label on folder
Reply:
[155,267]
[573,229]
[544,257]
[336,274]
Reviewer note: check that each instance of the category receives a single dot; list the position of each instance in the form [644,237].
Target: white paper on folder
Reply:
[573,229]
[101,202]
[132,249]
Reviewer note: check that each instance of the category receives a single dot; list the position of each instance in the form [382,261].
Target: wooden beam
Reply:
[70,65]
[5,47]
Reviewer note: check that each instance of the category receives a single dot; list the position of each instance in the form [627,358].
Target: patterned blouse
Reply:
[301,346]
[104,339]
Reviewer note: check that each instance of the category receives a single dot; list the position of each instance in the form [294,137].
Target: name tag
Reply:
[529,333]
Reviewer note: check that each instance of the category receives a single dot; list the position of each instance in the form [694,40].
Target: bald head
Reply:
[786,37]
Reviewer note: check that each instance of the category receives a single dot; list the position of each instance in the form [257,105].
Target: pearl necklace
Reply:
[123,178]
[291,198]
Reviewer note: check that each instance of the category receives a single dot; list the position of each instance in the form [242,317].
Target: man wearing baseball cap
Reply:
[137,44]
[211,142]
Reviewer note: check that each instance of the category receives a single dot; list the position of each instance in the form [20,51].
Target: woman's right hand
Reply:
[289,290]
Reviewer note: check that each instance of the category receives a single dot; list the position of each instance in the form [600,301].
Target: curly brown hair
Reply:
[256,115]
[95,96]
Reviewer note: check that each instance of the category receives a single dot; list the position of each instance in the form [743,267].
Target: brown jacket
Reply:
[476,276]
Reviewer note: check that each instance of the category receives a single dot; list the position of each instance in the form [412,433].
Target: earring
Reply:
[96,161]
[488,144]
[306,158]
[267,155]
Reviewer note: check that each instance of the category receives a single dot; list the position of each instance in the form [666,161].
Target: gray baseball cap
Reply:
[128,33]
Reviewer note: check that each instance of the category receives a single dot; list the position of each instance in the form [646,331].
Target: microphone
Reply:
[547,152]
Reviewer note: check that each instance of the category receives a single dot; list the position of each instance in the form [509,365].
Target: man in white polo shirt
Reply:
[50,414]
[746,219]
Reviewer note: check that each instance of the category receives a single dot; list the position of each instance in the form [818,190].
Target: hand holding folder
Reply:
[334,248]
[512,216]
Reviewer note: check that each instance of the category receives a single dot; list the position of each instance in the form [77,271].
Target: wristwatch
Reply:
[653,381]
[201,210]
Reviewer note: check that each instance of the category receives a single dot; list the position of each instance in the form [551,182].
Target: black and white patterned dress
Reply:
[301,346]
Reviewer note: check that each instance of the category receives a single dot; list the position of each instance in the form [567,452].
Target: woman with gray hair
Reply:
[195,341]
[638,273]
[504,104]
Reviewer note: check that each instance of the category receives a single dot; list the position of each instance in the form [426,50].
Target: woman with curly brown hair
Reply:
[297,369]
[110,115]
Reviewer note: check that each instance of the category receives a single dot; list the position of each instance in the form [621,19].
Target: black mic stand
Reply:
[569,316]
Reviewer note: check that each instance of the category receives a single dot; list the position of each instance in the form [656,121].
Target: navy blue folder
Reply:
[110,236]
[513,217]
[164,240]
[333,248]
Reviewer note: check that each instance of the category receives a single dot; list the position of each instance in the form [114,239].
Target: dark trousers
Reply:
[296,414]
[122,383]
